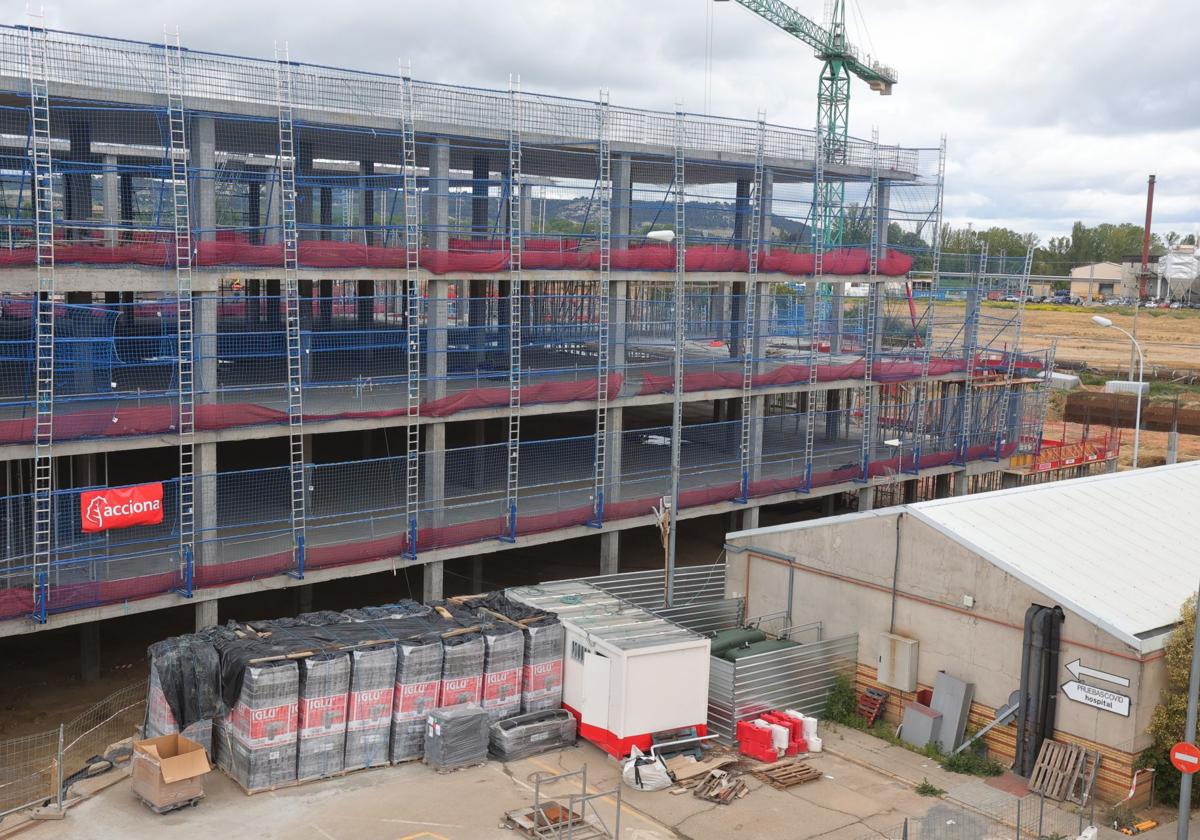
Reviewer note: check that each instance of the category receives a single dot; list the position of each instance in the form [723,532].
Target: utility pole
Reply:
[1189,730]
[1144,275]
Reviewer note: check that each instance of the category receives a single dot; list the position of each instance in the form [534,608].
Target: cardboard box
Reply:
[168,771]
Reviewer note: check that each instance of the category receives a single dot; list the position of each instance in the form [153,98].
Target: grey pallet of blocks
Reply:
[324,697]
[369,721]
[418,680]
[504,658]
[261,728]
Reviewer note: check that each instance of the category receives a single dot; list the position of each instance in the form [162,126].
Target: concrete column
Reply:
[958,483]
[89,651]
[622,200]
[326,214]
[365,303]
[613,453]
[527,208]
[439,188]
[768,192]
[110,196]
[479,196]
[941,486]
[437,320]
[254,212]
[125,197]
[618,324]
[839,317]
[758,412]
[433,493]
[208,545]
[866,499]
[202,138]
[431,582]
[610,552]
[272,220]
[204,346]
[741,210]
[829,505]
[882,213]
[366,168]
[306,205]
[206,613]
[303,598]
[77,186]
[833,406]
[477,574]
[750,518]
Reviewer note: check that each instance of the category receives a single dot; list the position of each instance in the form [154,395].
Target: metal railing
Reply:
[132,70]
[37,770]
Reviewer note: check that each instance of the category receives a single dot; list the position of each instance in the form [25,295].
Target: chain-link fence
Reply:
[38,769]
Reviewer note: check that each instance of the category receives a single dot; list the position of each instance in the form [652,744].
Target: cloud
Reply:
[1054,111]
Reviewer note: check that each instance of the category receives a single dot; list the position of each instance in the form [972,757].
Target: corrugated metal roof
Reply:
[601,616]
[1121,549]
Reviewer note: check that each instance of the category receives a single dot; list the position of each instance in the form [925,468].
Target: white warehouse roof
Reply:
[1120,549]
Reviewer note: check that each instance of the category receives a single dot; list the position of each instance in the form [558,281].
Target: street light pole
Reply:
[1137,422]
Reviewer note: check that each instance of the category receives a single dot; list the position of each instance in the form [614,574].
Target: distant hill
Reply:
[713,218]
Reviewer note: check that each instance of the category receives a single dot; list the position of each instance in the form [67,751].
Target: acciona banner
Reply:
[121,507]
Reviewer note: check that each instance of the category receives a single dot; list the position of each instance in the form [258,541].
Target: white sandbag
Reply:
[643,772]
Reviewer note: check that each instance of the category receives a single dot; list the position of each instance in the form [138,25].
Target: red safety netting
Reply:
[465,256]
[17,602]
[122,420]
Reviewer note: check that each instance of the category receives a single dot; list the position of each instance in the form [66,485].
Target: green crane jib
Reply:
[840,61]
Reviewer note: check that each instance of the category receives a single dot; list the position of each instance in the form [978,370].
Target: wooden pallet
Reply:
[871,704]
[788,775]
[1057,769]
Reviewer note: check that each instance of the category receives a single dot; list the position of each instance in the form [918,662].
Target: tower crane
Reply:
[840,61]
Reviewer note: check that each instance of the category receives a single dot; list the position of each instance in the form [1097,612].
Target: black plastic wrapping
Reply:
[417,689]
[324,700]
[260,731]
[369,721]
[541,679]
[187,672]
[531,734]
[504,656]
[462,670]
[456,737]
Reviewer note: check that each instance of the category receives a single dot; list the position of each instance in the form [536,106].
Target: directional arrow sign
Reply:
[1100,698]
[1078,670]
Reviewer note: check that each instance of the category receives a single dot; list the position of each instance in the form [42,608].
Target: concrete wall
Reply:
[843,576]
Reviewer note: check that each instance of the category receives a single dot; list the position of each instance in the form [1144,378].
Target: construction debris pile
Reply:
[291,700]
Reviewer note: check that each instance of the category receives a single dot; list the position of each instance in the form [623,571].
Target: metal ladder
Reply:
[43,202]
[1003,426]
[970,350]
[173,64]
[814,332]
[295,403]
[604,305]
[871,326]
[922,411]
[515,244]
[751,312]
[678,179]
[412,317]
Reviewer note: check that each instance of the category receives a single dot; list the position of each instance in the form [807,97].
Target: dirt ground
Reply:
[1170,338]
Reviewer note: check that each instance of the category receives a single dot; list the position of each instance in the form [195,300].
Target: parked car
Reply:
[1011,299]
[1114,302]
[1176,305]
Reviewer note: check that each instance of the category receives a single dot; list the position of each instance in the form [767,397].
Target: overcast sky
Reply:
[1054,110]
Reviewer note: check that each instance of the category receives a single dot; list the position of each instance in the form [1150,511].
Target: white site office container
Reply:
[626,672]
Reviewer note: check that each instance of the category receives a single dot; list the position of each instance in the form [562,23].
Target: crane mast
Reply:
[840,60]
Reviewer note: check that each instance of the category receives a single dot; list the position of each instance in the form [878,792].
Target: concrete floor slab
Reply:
[410,802]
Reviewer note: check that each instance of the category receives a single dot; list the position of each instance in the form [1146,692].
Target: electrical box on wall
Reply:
[898,662]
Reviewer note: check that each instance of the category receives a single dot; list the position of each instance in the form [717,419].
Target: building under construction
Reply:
[265,321]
